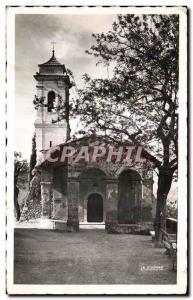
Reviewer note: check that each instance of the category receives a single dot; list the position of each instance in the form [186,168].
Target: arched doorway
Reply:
[95,208]
[92,185]
[129,194]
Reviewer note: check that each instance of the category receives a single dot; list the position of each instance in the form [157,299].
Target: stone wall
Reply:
[148,201]
[60,203]
[71,188]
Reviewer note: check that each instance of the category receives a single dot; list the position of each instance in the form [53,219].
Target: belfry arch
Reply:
[51,100]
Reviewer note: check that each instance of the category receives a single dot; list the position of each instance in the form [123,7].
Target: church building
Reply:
[118,195]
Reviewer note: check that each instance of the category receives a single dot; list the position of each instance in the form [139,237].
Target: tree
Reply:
[33,157]
[21,169]
[139,101]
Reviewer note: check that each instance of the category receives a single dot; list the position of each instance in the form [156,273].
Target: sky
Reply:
[33,37]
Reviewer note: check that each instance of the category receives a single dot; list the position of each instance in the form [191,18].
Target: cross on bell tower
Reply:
[53,43]
[52,84]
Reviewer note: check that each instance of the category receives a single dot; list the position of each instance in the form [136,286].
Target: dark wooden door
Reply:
[95,208]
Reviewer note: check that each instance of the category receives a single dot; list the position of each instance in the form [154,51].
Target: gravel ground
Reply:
[88,257]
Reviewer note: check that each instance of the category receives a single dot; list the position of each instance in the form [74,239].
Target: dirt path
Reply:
[88,257]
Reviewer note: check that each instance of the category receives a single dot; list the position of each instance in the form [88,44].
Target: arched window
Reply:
[51,99]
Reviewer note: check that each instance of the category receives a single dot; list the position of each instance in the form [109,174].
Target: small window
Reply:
[50,143]
[51,99]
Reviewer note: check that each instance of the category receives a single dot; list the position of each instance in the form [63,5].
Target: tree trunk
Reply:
[16,204]
[33,158]
[67,116]
[164,185]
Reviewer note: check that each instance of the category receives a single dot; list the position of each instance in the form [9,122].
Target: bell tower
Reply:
[53,84]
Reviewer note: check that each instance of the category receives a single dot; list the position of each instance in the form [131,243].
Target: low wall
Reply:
[130,228]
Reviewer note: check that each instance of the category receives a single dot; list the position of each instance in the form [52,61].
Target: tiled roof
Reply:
[51,62]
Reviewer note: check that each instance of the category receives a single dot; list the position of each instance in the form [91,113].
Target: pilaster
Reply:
[73,196]
[112,203]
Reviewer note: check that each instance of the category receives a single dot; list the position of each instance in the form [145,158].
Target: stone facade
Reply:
[126,194]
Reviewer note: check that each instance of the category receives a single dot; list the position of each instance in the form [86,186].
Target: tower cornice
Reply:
[53,77]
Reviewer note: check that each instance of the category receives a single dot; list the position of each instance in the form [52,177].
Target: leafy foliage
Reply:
[140,101]
[21,170]
[32,208]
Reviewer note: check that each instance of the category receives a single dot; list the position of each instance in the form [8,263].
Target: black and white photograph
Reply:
[96,150]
